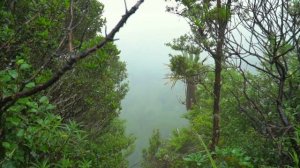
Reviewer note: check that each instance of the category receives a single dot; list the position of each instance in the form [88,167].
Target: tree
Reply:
[260,106]
[40,44]
[187,67]
[98,104]
[269,31]
[184,147]
[71,60]
[208,22]
[150,154]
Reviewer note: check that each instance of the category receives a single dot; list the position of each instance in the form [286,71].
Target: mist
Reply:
[151,102]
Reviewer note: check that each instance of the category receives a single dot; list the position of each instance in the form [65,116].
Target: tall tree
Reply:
[208,21]
[187,67]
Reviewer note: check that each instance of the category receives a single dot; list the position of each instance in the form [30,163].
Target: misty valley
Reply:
[150,84]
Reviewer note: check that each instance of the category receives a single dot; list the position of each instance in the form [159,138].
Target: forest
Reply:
[62,83]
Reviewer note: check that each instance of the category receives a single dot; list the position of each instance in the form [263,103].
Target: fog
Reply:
[150,103]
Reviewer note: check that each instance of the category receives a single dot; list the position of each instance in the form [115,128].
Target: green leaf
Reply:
[5,78]
[30,85]
[20,133]
[25,66]
[14,120]
[50,107]
[33,110]
[20,61]
[212,161]
[13,73]
[32,104]
[44,99]
[6,145]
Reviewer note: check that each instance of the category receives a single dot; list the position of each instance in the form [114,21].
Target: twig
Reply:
[125,3]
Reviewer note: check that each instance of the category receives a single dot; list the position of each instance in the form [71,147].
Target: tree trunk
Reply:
[218,57]
[190,94]
[290,129]
[216,106]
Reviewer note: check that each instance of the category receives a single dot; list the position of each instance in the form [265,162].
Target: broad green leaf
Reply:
[20,133]
[25,66]
[14,120]
[20,61]
[5,78]
[44,99]
[30,85]
[13,73]
[33,110]
[6,145]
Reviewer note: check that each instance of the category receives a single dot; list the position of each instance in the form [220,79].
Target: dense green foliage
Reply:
[237,117]
[75,122]
[242,144]
[259,107]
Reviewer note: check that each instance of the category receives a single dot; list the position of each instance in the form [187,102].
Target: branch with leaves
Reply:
[269,32]
[72,60]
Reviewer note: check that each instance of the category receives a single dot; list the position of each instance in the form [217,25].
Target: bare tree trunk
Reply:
[216,106]
[218,57]
[190,94]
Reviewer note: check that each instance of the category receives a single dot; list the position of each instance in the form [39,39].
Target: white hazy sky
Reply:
[143,37]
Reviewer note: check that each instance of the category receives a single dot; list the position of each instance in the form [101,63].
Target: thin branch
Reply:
[125,3]
[70,29]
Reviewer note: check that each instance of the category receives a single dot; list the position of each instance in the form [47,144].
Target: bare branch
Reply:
[125,3]
[70,29]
